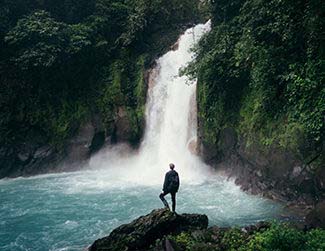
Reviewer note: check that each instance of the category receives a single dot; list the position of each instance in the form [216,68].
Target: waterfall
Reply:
[65,211]
[171,125]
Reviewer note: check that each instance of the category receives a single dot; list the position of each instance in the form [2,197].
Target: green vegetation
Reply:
[261,71]
[62,61]
[278,237]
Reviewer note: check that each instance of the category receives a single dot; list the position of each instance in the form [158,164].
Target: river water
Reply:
[68,211]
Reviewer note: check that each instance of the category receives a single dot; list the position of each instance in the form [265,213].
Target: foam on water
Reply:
[68,211]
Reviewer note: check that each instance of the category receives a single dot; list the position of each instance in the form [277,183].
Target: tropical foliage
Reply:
[261,70]
[276,237]
[64,60]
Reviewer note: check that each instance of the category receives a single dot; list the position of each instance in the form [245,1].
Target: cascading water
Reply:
[68,211]
[170,113]
[171,123]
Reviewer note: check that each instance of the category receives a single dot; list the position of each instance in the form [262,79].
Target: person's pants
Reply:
[162,197]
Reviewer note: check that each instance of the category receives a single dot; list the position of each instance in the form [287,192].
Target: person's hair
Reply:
[172,166]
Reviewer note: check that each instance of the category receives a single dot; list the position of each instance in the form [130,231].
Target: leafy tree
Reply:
[261,70]
[40,41]
[63,60]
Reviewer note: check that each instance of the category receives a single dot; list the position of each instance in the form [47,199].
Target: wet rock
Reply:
[307,199]
[262,185]
[210,154]
[127,127]
[228,139]
[123,127]
[24,156]
[216,154]
[273,172]
[316,218]
[259,227]
[307,186]
[259,173]
[175,46]
[97,142]
[296,172]
[43,152]
[36,156]
[78,146]
[85,134]
[90,137]
[144,231]
[320,179]
[150,76]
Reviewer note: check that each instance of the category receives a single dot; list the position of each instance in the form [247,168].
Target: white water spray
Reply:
[171,126]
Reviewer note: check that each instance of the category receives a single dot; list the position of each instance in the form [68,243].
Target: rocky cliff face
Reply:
[35,155]
[275,173]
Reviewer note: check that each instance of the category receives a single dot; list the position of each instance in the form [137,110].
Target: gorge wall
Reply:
[275,173]
[261,97]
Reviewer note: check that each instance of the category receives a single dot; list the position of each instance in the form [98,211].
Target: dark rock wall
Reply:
[36,156]
[275,173]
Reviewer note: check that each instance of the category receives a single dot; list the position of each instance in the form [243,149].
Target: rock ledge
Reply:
[141,233]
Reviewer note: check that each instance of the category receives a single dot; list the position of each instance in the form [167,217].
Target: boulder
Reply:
[89,138]
[143,232]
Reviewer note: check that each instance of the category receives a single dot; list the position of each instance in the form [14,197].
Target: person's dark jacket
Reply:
[171,183]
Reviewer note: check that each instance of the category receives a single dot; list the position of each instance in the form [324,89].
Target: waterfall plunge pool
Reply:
[69,211]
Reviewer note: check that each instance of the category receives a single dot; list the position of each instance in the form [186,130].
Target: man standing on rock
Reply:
[171,185]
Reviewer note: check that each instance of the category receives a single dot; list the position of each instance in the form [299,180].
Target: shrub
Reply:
[279,237]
